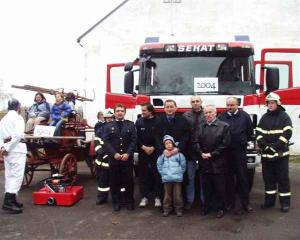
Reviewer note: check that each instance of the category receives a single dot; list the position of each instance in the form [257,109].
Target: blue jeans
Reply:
[190,188]
[57,124]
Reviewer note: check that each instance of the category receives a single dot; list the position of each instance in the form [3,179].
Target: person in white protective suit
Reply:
[13,150]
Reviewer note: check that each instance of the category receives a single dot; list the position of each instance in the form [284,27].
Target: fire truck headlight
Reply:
[221,47]
[170,47]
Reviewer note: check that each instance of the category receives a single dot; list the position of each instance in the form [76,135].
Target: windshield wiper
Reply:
[167,93]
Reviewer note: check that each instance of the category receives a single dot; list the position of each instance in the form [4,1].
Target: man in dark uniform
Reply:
[149,177]
[194,117]
[273,134]
[173,125]
[241,131]
[100,121]
[102,160]
[120,142]
[213,139]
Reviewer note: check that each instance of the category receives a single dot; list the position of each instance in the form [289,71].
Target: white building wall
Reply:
[269,23]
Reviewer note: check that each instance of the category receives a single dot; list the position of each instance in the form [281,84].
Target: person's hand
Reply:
[206,156]
[124,157]
[118,156]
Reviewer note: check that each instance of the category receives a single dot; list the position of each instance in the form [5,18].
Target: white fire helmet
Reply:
[273,97]
[108,113]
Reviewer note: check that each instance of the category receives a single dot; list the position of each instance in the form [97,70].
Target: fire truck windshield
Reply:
[197,74]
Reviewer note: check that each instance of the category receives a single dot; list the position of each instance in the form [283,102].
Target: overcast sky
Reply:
[38,40]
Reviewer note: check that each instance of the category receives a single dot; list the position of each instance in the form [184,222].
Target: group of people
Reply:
[171,147]
[41,111]
[12,147]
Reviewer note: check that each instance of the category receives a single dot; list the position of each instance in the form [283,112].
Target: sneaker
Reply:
[179,214]
[157,203]
[143,203]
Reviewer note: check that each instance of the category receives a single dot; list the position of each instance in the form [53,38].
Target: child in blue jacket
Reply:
[171,169]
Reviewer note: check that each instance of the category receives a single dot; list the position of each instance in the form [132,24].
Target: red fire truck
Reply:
[213,70]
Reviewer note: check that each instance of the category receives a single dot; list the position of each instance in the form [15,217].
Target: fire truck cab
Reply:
[213,70]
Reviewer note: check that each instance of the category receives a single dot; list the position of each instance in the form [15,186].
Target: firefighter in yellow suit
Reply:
[273,134]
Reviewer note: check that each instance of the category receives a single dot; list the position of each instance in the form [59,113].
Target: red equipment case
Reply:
[71,195]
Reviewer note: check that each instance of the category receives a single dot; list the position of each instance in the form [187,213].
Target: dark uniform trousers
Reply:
[173,193]
[121,182]
[149,178]
[276,173]
[102,175]
[102,170]
[120,137]
[214,190]
[237,177]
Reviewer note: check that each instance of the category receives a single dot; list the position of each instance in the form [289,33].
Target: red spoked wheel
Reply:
[68,167]
[29,170]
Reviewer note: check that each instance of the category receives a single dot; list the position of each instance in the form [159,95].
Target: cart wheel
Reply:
[29,170]
[68,167]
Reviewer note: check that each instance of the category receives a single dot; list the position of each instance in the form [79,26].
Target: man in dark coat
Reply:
[173,125]
[194,117]
[149,177]
[213,139]
[241,131]
[120,141]
[273,134]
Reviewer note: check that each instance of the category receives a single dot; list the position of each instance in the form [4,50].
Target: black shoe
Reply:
[116,207]
[130,206]
[18,204]
[188,206]
[166,213]
[267,205]
[10,205]
[204,211]
[248,208]
[229,207]
[284,208]
[220,214]
[101,201]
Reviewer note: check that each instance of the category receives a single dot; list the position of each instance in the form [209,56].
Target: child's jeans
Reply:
[173,195]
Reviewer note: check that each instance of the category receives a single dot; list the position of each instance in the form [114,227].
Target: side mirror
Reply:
[272,79]
[128,66]
[128,82]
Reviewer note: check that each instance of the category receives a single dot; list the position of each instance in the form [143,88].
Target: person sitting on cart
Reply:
[102,160]
[60,112]
[38,112]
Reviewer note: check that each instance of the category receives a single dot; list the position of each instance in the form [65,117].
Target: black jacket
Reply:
[119,142]
[178,128]
[213,139]
[145,133]
[241,129]
[98,128]
[273,133]
[195,119]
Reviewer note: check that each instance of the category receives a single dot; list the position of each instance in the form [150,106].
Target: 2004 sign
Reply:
[206,85]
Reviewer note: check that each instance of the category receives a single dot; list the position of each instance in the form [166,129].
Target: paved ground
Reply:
[85,220]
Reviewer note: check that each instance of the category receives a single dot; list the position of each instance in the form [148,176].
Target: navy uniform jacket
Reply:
[119,142]
[241,129]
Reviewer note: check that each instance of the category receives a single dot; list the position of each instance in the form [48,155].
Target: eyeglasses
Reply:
[195,101]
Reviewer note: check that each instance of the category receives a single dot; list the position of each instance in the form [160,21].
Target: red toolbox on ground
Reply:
[69,197]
